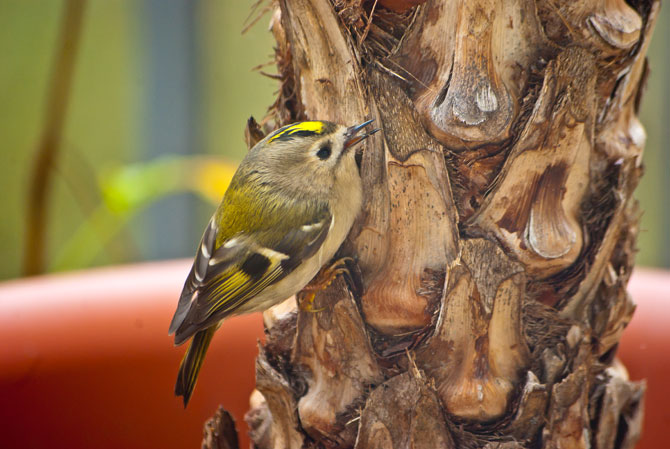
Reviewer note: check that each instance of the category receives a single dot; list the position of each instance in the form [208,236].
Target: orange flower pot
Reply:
[85,360]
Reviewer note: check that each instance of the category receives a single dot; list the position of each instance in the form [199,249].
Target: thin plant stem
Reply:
[46,156]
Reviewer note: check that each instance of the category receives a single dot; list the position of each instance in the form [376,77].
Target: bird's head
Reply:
[308,157]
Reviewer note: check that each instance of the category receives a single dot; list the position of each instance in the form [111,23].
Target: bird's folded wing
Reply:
[223,278]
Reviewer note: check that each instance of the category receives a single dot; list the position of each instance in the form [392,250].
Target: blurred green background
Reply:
[161,93]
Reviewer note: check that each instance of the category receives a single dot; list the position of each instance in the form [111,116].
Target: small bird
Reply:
[289,207]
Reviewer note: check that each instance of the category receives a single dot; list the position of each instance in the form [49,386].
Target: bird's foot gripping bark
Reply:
[322,281]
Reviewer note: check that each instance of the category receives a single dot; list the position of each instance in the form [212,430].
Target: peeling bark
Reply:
[403,412]
[414,196]
[478,351]
[498,232]
[336,376]
[220,432]
[534,209]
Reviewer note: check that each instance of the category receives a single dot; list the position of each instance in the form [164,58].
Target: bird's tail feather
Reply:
[191,363]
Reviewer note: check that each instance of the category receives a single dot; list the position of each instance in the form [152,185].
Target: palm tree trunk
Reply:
[498,231]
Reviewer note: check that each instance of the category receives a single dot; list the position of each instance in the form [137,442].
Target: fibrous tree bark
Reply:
[498,233]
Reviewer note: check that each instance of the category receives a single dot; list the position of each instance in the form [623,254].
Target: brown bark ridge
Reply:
[498,233]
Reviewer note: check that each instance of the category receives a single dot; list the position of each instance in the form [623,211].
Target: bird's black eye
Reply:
[324,152]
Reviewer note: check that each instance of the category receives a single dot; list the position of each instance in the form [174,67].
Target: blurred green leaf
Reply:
[128,189]
[131,187]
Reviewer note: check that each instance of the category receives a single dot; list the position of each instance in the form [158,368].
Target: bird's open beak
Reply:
[352,137]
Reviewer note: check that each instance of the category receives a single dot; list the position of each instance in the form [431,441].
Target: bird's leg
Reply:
[322,281]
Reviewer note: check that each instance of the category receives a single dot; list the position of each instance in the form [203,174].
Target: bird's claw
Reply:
[322,281]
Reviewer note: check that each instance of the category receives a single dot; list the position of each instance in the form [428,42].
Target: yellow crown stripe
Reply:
[315,127]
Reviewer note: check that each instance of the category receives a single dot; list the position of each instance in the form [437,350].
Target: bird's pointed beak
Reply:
[352,137]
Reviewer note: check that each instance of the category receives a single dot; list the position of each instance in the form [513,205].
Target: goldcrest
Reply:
[288,208]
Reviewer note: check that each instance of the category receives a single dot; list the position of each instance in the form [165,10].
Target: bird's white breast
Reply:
[345,203]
